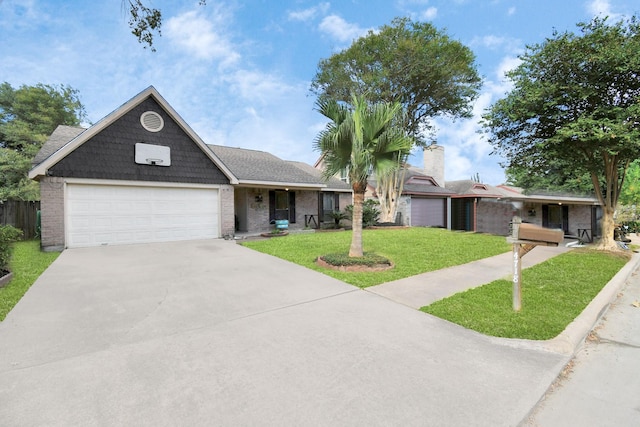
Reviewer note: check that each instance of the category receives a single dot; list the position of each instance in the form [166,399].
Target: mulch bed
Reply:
[354,268]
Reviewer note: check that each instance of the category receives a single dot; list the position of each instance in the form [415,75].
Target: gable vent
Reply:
[152,121]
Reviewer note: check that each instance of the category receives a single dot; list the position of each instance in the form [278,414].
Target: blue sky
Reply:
[239,71]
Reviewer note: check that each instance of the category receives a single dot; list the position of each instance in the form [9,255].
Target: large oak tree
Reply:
[412,63]
[575,102]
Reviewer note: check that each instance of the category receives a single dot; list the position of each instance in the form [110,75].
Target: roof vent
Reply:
[152,121]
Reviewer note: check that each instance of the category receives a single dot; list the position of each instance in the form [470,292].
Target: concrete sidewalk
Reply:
[424,289]
[600,387]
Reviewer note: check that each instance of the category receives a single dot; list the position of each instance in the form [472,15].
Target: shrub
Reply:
[370,212]
[8,235]
[338,216]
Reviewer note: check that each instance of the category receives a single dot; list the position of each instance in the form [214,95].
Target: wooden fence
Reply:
[22,215]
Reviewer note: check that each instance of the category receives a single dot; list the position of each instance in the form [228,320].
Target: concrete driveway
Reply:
[212,333]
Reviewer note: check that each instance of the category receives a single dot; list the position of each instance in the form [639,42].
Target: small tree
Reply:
[360,140]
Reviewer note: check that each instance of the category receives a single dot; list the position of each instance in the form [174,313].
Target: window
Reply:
[282,205]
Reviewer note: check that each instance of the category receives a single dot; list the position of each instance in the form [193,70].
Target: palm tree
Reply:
[361,139]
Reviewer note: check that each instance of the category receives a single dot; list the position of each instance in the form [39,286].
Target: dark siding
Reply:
[110,154]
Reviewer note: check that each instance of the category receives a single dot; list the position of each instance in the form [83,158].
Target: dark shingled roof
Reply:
[260,166]
[417,183]
[58,139]
[333,184]
[470,188]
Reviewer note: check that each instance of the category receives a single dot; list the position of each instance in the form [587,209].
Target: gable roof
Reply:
[56,149]
[60,136]
[259,168]
[418,183]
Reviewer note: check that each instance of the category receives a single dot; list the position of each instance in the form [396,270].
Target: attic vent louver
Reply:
[152,121]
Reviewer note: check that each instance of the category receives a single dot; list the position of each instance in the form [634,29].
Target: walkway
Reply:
[424,289]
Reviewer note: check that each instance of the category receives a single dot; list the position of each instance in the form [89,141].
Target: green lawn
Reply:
[27,264]
[412,250]
[554,293]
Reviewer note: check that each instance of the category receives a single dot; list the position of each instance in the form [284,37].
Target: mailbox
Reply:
[536,233]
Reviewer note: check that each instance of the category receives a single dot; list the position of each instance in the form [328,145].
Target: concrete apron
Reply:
[212,333]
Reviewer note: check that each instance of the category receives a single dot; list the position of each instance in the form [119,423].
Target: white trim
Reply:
[87,181]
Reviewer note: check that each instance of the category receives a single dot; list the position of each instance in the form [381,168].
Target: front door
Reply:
[556,216]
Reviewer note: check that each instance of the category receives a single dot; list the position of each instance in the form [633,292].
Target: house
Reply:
[270,189]
[577,216]
[141,174]
[479,207]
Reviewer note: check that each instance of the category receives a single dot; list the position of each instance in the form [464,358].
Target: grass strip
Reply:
[27,264]
[412,250]
[554,293]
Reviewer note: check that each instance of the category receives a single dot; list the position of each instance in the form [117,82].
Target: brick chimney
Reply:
[433,156]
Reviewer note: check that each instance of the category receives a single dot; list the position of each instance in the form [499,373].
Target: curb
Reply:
[568,341]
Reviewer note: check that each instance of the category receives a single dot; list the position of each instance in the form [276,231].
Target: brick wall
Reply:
[227,218]
[494,217]
[52,213]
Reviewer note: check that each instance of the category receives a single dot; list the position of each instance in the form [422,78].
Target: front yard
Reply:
[412,250]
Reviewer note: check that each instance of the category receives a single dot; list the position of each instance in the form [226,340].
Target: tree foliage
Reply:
[575,103]
[145,21]
[28,115]
[412,63]
[360,139]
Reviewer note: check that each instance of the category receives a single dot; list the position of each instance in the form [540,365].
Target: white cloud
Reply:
[511,11]
[602,8]
[430,13]
[310,13]
[341,30]
[203,37]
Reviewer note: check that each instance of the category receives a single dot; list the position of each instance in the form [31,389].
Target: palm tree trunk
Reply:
[356,221]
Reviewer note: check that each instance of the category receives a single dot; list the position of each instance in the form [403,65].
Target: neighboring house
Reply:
[484,208]
[479,207]
[490,209]
[141,174]
[577,216]
[423,203]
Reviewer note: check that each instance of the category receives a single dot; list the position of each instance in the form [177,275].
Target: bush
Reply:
[338,216]
[8,235]
[343,259]
[370,212]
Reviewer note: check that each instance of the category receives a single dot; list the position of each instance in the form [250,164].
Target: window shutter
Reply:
[292,207]
[272,205]
[320,206]
[336,201]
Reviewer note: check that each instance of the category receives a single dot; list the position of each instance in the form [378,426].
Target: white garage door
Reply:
[428,212]
[117,215]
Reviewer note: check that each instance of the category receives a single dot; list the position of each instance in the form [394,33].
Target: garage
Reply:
[126,214]
[428,212]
